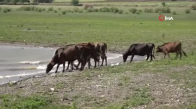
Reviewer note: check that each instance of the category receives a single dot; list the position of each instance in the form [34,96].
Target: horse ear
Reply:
[98,46]
[76,47]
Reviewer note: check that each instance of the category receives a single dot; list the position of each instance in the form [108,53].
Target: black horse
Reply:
[141,50]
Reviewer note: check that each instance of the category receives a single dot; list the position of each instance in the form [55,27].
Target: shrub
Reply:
[163,10]
[133,10]
[88,6]
[9,9]
[59,8]
[100,9]
[104,9]
[116,11]
[174,13]
[55,11]
[146,10]
[63,12]
[39,10]
[89,10]
[95,10]
[43,9]
[71,11]
[138,12]
[34,9]
[160,12]
[24,8]
[75,9]
[68,11]
[163,4]
[113,9]
[75,2]
[50,9]
[30,8]
[6,10]
[120,11]
[80,11]
[187,11]
[0,8]
[193,7]
[156,10]
[167,10]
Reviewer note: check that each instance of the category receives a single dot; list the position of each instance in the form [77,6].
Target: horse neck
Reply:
[55,58]
[127,53]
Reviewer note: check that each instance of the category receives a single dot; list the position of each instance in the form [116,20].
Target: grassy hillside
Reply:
[118,30]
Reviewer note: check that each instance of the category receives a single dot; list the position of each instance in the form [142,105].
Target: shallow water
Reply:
[18,62]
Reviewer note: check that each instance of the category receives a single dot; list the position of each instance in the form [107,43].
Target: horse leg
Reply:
[68,66]
[168,55]
[89,63]
[176,55]
[164,55]
[102,58]
[83,64]
[63,67]
[57,68]
[78,65]
[132,58]
[151,57]
[71,66]
[98,63]
[147,57]
[106,61]
[95,63]
[180,55]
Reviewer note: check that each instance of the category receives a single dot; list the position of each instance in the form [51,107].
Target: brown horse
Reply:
[68,53]
[101,48]
[171,47]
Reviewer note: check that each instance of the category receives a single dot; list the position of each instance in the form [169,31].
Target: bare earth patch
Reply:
[95,89]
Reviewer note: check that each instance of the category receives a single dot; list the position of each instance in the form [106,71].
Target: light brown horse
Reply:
[171,47]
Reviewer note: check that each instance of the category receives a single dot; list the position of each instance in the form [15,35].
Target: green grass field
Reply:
[117,30]
[160,84]
[80,0]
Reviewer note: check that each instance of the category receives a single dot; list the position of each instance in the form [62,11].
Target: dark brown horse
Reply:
[68,53]
[141,50]
[101,48]
[88,53]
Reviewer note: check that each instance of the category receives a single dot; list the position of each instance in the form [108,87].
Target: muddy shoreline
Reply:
[21,44]
[29,46]
[108,85]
